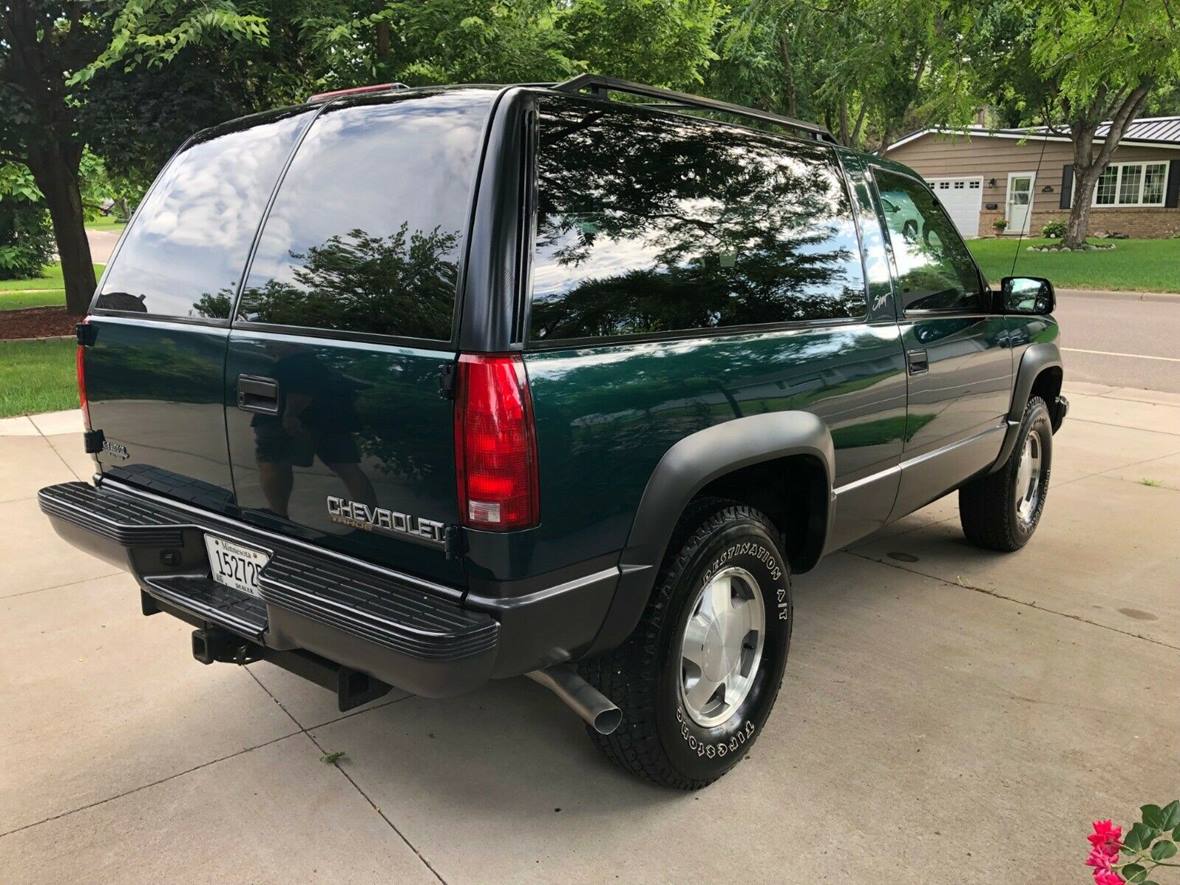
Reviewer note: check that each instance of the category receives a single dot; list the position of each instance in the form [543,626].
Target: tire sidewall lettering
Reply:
[710,751]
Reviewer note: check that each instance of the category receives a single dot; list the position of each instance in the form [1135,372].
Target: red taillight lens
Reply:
[80,368]
[495,443]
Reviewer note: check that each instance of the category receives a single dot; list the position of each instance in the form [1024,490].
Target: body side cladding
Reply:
[687,468]
[1037,359]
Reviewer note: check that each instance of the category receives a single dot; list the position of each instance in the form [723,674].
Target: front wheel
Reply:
[700,674]
[1001,510]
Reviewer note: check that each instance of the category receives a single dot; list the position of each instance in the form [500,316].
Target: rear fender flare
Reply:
[685,469]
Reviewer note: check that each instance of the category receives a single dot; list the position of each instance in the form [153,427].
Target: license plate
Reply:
[235,565]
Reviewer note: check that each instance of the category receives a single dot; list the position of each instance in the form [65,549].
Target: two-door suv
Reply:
[427,387]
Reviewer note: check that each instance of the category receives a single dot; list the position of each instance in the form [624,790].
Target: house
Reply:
[982,175]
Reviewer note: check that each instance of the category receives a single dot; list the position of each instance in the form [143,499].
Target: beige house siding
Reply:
[946,156]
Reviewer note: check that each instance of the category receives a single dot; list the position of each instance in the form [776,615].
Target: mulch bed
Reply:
[36,322]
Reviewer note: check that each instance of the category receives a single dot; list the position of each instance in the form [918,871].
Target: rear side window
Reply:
[184,253]
[650,223]
[935,271]
[368,225]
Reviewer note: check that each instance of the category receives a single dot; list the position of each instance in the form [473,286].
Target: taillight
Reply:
[495,443]
[80,367]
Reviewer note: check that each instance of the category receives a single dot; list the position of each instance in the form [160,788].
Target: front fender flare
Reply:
[1036,359]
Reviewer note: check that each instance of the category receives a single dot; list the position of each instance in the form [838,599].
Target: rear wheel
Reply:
[1001,510]
[700,674]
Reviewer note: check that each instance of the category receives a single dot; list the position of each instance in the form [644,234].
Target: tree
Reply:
[26,242]
[1104,59]
[47,52]
[865,68]
[662,42]
[1074,66]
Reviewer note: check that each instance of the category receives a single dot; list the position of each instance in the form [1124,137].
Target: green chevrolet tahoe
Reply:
[426,387]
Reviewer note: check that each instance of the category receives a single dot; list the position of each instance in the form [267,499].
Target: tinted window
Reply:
[934,268]
[184,254]
[652,223]
[366,231]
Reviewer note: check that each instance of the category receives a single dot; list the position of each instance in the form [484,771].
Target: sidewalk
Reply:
[1168,297]
[947,715]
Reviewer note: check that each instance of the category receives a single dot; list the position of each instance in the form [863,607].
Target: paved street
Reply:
[1121,341]
[102,244]
[948,716]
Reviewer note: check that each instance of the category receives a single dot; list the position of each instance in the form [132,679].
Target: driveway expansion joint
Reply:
[997,595]
[336,764]
[147,786]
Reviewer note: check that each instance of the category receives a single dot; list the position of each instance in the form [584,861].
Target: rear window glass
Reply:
[652,223]
[184,253]
[367,228]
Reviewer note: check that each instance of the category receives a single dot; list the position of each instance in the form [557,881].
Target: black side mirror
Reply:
[1032,295]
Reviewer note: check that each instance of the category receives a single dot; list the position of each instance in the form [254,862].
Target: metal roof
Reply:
[1165,129]
[1143,132]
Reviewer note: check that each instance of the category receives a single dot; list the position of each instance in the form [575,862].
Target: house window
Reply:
[1153,184]
[973,185]
[1131,184]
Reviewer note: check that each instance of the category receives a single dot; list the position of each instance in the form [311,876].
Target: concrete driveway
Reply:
[948,716]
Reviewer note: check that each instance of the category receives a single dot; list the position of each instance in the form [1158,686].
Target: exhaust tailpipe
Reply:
[594,708]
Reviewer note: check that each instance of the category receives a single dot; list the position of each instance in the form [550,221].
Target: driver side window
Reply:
[934,268]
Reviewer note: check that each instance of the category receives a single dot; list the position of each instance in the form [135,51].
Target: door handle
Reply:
[257,394]
[917,363]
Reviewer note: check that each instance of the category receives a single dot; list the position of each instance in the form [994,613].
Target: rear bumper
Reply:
[408,632]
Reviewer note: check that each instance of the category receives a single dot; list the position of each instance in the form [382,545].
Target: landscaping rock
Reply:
[1060,247]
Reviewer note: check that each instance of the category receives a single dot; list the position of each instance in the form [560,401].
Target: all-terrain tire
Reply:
[657,739]
[988,505]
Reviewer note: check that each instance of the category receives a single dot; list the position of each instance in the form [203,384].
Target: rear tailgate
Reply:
[346,325]
[160,320]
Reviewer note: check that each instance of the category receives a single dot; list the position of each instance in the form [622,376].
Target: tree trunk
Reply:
[1079,211]
[1088,164]
[56,174]
[790,93]
[382,41]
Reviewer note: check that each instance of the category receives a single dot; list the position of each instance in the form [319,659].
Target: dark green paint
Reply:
[606,415]
[376,403]
[156,388]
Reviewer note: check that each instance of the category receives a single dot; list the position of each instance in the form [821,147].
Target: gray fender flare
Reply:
[685,469]
[1036,358]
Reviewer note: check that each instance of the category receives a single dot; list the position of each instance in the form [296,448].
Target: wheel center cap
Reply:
[716,661]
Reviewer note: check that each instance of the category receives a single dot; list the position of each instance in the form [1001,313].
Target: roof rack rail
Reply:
[598,85]
[355,90]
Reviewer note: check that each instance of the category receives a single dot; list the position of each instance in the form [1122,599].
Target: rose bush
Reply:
[1148,847]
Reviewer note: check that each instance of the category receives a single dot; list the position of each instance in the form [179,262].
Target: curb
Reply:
[1113,295]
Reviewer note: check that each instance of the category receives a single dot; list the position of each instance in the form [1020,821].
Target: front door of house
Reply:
[1019,202]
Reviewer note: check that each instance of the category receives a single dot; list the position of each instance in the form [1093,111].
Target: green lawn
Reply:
[1133,265]
[106,224]
[43,291]
[50,279]
[37,376]
[21,300]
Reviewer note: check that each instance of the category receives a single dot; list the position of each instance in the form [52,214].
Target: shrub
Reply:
[26,238]
[1147,847]
[999,225]
[1054,230]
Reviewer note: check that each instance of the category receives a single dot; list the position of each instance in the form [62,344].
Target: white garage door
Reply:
[961,197]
